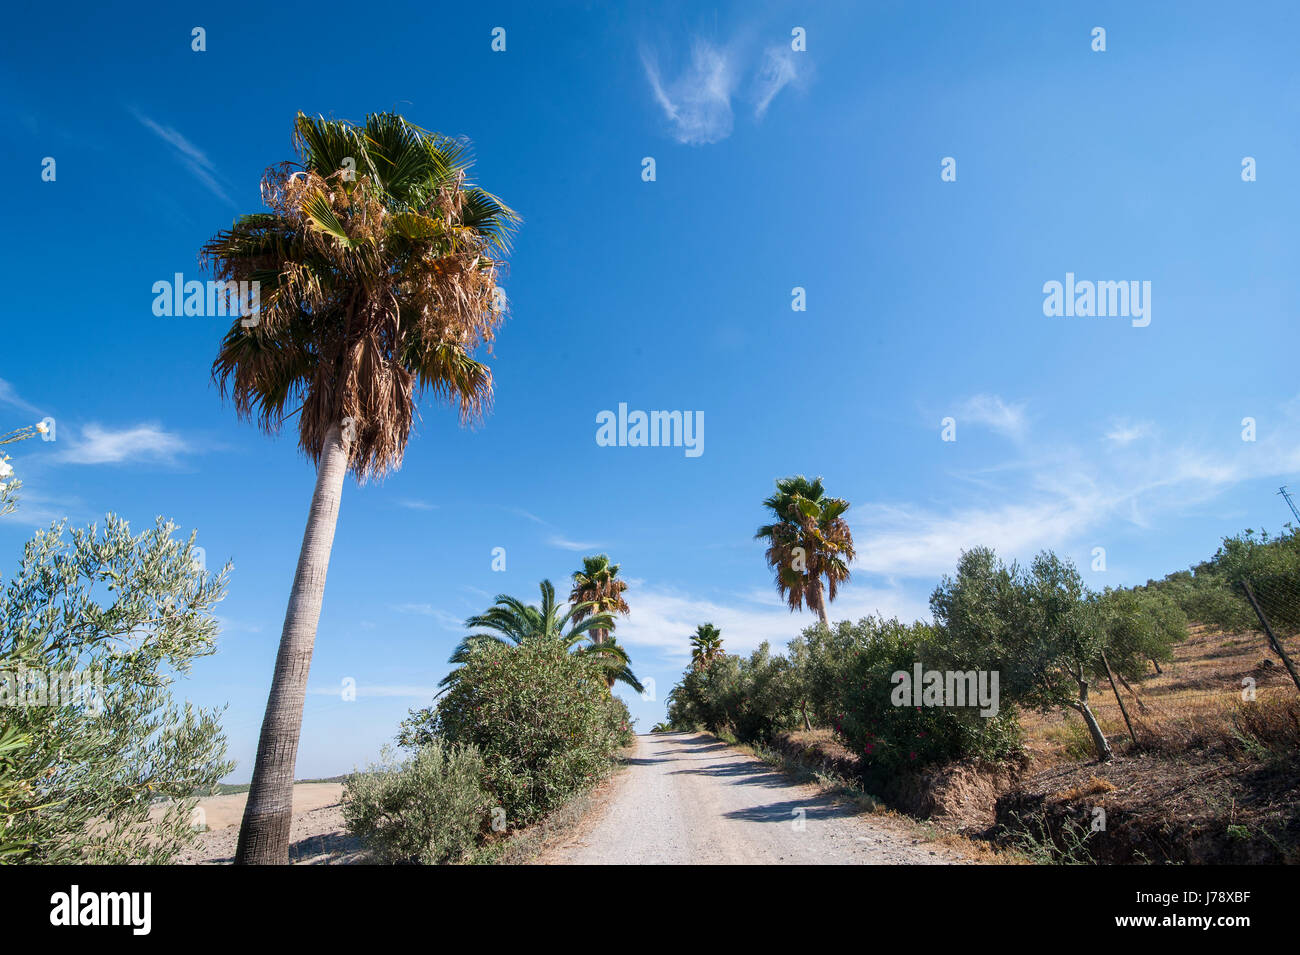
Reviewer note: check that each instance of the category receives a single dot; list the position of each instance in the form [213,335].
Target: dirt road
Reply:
[689,799]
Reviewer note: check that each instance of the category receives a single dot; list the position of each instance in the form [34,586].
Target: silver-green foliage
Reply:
[79,778]
[428,810]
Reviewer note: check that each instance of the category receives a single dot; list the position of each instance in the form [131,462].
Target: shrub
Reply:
[428,810]
[544,720]
[750,697]
[700,700]
[890,737]
[819,659]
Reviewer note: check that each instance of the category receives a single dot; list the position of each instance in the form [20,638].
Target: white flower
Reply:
[5,469]
[40,427]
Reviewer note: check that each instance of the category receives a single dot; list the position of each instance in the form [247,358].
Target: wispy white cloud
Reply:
[530,516]
[414,504]
[448,621]
[193,158]
[777,72]
[144,442]
[664,618]
[992,412]
[1125,432]
[564,543]
[40,510]
[698,102]
[908,541]
[1059,496]
[9,396]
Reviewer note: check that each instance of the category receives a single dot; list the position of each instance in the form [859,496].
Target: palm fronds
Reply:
[378,265]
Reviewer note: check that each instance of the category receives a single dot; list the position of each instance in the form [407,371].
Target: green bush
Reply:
[750,697]
[890,737]
[842,677]
[543,718]
[819,658]
[427,811]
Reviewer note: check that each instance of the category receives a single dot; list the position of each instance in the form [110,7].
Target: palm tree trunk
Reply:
[264,833]
[821,603]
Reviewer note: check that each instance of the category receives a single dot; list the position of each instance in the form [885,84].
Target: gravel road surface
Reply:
[688,799]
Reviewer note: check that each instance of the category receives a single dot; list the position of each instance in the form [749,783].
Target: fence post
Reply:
[1119,699]
[1272,639]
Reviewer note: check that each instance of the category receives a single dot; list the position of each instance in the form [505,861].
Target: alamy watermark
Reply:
[24,687]
[924,687]
[208,299]
[654,429]
[1086,299]
[130,909]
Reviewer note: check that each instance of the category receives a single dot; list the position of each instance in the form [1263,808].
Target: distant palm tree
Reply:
[511,622]
[377,265]
[706,645]
[809,541]
[597,584]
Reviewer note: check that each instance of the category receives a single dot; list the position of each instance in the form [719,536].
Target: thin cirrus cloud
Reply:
[1059,496]
[992,412]
[144,442]
[9,396]
[194,159]
[415,504]
[564,543]
[1125,432]
[445,619]
[777,72]
[698,102]
[556,539]
[663,618]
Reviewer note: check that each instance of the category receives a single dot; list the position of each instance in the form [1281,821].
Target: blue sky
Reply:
[775,169]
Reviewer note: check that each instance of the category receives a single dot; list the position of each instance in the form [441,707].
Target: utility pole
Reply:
[1290,503]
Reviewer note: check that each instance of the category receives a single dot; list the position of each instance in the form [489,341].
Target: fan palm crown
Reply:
[809,542]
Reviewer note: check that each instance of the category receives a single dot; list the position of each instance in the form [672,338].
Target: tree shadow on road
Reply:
[740,772]
[786,811]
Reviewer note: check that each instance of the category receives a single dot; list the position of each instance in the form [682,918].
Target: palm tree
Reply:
[378,266]
[810,540]
[511,622]
[597,584]
[706,645]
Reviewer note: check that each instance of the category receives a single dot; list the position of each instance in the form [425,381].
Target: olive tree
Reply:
[98,763]
[1036,627]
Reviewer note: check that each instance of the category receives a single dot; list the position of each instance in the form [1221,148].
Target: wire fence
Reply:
[1275,598]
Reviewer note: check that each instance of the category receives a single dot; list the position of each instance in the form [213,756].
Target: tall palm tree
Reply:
[511,622]
[378,266]
[809,541]
[706,645]
[597,584]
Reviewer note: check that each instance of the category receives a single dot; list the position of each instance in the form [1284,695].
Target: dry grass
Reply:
[1213,780]
[1093,787]
[1196,701]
